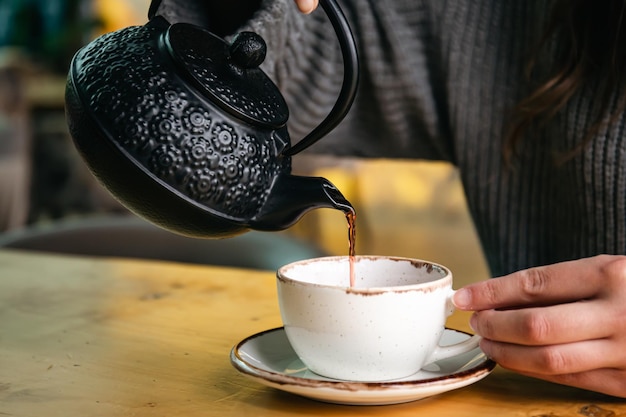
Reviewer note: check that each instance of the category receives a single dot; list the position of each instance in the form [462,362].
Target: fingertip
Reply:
[307,6]
[473,323]
[462,299]
[487,347]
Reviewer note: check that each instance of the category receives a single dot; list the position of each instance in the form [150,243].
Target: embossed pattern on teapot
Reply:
[199,150]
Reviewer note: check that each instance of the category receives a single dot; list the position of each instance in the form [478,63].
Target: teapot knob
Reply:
[248,50]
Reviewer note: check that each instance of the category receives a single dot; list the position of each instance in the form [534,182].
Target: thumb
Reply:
[306,6]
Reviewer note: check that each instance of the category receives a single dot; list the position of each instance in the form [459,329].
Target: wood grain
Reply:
[87,337]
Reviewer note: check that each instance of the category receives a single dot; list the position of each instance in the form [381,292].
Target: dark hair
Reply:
[591,38]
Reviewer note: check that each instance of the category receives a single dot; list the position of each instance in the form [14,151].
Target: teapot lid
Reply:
[228,75]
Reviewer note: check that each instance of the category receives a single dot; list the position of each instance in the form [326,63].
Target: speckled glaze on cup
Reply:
[386,327]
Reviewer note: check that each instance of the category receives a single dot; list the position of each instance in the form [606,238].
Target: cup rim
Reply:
[444,280]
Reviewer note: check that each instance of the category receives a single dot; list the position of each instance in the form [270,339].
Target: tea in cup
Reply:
[385,326]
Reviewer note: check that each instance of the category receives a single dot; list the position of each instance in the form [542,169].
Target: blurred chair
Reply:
[132,237]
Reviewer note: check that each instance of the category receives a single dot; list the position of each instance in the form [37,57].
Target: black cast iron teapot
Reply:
[188,132]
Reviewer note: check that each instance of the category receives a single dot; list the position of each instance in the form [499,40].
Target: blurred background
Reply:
[43,181]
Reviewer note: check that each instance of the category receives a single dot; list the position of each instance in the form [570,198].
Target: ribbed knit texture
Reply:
[439,79]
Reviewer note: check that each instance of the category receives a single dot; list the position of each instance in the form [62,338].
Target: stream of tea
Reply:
[351,218]
[339,202]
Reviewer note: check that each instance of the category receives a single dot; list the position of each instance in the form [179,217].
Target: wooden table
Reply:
[88,337]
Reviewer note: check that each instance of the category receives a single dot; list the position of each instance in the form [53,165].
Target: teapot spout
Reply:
[292,196]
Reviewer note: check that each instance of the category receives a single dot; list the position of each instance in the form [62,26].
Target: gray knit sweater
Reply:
[438,81]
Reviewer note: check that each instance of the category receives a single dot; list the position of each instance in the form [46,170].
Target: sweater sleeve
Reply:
[397,113]
[303,59]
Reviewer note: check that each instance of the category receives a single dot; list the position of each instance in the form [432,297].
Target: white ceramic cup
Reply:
[387,326]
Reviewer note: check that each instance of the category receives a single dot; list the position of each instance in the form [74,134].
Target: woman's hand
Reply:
[306,6]
[564,323]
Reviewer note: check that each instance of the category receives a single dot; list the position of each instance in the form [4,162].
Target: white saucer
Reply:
[268,358]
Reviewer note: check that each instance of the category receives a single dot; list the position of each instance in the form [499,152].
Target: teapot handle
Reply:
[350,78]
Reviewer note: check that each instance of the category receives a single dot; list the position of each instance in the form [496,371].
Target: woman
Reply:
[541,154]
